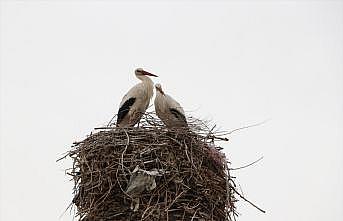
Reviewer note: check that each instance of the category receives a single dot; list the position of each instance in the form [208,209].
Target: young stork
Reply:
[169,110]
[136,101]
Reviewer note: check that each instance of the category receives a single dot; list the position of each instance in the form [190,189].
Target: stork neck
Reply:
[145,79]
[149,85]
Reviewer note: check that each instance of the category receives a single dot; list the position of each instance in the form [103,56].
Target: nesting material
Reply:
[152,173]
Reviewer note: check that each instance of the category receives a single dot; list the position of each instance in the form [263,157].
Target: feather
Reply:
[125,108]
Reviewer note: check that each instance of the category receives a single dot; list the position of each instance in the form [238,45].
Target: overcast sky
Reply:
[65,66]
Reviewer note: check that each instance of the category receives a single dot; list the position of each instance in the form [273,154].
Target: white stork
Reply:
[136,101]
[169,110]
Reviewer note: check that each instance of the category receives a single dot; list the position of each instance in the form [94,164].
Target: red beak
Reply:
[149,74]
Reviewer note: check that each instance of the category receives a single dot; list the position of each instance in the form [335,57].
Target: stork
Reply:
[136,101]
[169,110]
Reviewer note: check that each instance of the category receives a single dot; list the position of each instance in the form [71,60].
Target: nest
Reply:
[150,172]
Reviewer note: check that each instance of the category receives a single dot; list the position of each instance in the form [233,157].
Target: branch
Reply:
[242,167]
[245,199]
[245,127]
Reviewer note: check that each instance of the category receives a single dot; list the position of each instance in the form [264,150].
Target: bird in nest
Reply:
[136,100]
[169,110]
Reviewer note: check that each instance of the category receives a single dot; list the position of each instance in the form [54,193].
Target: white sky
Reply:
[65,66]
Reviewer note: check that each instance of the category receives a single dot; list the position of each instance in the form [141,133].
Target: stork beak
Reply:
[160,90]
[149,74]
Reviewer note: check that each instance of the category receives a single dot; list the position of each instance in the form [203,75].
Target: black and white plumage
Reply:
[169,110]
[136,101]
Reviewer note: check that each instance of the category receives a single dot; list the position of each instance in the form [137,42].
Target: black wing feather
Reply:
[178,115]
[125,108]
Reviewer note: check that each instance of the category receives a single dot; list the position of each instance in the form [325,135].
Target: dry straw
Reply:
[150,172]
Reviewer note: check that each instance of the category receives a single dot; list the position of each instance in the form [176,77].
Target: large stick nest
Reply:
[152,173]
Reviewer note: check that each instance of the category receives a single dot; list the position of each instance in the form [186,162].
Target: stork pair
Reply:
[136,101]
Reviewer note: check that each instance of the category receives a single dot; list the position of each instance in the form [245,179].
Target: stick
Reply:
[240,195]
[245,127]
[242,167]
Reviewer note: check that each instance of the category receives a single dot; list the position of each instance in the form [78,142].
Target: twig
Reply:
[242,167]
[245,199]
[109,123]
[245,127]
[62,157]
[104,128]
[178,196]
[194,214]
[218,138]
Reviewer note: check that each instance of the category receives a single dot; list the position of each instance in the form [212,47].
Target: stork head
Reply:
[141,72]
[159,88]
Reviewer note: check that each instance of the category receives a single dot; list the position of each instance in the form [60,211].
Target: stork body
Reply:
[169,110]
[136,101]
